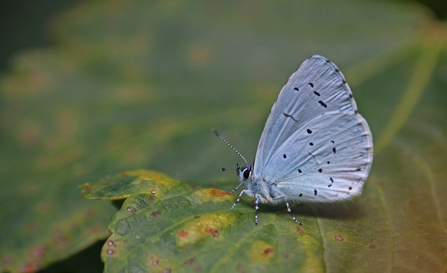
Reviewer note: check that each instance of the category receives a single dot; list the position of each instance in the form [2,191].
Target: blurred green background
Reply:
[90,89]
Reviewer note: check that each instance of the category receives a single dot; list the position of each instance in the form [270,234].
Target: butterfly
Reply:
[315,146]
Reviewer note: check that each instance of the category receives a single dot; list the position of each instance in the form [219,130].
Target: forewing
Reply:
[327,159]
[315,88]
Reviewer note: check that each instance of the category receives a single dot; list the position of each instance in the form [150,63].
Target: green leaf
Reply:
[167,226]
[139,84]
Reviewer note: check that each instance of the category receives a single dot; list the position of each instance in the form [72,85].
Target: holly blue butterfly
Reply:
[315,146]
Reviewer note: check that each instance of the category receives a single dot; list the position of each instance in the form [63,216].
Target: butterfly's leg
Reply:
[237,187]
[256,209]
[290,211]
[288,208]
[248,192]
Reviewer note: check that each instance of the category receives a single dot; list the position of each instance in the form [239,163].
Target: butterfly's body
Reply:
[315,147]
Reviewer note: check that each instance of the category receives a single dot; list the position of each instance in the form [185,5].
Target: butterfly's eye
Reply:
[246,172]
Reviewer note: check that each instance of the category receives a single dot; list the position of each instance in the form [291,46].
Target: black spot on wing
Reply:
[300,171]
[322,104]
[315,192]
[284,155]
[309,131]
[311,84]
[316,93]
[296,89]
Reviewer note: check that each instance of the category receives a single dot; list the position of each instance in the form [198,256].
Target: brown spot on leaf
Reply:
[285,256]
[182,234]
[167,270]
[219,193]
[212,231]
[29,268]
[124,174]
[267,252]
[155,213]
[110,251]
[339,238]
[299,230]
[372,246]
[190,261]
[196,216]
[62,242]
[153,191]
[39,252]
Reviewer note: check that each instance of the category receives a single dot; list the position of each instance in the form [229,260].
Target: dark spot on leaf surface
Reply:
[155,213]
[215,233]
[219,193]
[338,238]
[110,251]
[132,210]
[299,230]
[372,246]
[182,234]
[111,243]
[190,261]
[155,262]
[124,174]
[267,252]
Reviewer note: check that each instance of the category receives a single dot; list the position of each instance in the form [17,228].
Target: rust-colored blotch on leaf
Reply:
[220,193]
[339,238]
[182,234]
[212,231]
[267,252]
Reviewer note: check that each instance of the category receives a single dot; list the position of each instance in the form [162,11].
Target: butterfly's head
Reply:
[243,172]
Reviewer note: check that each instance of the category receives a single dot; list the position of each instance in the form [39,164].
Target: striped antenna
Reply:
[229,145]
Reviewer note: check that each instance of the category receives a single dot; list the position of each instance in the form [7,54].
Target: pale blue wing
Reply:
[316,87]
[326,159]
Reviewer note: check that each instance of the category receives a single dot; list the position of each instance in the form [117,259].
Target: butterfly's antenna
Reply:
[229,145]
[224,169]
